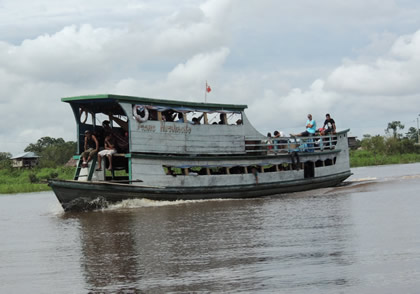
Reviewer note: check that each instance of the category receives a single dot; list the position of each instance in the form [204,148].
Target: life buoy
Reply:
[81,113]
[138,117]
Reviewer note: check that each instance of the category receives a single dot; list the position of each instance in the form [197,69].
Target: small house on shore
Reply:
[27,159]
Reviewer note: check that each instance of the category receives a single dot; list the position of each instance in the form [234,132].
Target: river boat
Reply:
[180,150]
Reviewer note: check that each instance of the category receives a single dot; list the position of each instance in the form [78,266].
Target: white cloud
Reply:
[198,68]
[396,73]
[272,55]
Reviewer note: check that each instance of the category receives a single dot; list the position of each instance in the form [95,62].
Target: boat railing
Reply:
[273,146]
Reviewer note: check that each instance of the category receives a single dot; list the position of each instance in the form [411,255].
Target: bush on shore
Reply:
[379,150]
[13,180]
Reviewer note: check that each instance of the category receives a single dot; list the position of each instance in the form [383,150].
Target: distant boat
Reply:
[179,150]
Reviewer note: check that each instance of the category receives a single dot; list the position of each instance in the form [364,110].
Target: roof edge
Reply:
[134,99]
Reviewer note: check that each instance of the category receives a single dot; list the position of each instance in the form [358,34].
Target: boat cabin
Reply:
[155,126]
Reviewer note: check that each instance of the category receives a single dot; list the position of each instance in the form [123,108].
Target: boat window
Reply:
[196,117]
[308,167]
[153,114]
[168,115]
[235,170]
[270,168]
[234,119]
[173,171]
[284,166]
[217,170]
[197,171]
[213,118]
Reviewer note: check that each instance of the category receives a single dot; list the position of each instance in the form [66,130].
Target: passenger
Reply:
[310,128]
[153,114]
[180,117]
[169,115]
[269,143]
[121,140]
[329,125]
[91,148]
[222,119]
[239,122]
[276,141]
[108,152]
[196,120]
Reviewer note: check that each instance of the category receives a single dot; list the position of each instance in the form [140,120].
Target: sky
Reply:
[358,60]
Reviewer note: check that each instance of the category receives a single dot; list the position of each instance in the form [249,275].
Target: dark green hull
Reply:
[78,195]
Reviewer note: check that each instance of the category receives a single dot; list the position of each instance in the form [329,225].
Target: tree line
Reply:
[394,143]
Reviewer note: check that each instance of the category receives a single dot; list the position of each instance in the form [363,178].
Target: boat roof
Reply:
[151,101]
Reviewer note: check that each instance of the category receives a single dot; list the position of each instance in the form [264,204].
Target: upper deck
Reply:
[165,126]
[157,126]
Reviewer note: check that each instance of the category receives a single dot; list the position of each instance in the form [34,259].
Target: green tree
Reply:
[5,160]
[394,126]
[57,154]
[412,134]
[52,151]
[375,144]
[43,143]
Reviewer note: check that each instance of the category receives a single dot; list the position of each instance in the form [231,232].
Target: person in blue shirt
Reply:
[310,128]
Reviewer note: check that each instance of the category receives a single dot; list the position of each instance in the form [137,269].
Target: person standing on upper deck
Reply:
[310,128]
[329,125]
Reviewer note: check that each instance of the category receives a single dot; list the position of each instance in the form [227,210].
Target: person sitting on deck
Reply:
[91,148]
[108,152]
[223,119]
[121,141]
[310,128]
[168,115]
[196,120]
[180,117]
[329,125]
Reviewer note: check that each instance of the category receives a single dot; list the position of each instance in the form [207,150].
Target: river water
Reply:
[363,237]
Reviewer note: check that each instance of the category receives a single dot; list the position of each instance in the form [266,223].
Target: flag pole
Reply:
[205,93]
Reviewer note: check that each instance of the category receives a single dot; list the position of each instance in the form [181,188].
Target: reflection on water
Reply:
[361,237]
[218,245]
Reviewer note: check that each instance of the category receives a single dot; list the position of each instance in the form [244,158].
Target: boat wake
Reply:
[137,203]
[86,204]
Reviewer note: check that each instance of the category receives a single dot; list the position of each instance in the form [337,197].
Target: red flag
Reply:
[208,89]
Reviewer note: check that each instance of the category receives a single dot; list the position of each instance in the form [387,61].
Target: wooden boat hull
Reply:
[78,195]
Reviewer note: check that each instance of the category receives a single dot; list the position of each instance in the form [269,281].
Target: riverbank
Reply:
[31,180]
[359,158]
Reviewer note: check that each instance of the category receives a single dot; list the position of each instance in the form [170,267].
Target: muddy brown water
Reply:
[362,237]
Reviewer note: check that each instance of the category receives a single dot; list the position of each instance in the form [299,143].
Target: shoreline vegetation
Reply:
[13,180]
[361,158]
